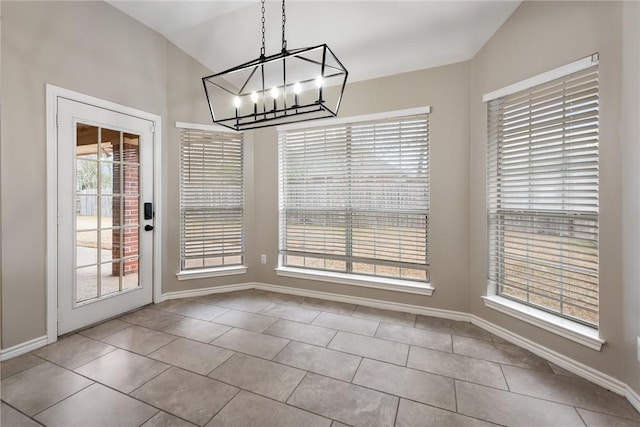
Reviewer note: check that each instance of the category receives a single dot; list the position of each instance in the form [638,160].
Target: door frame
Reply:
[52,95]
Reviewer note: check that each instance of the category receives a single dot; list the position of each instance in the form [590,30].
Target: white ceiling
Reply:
[371,38]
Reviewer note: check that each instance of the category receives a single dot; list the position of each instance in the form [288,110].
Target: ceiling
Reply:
[371,38]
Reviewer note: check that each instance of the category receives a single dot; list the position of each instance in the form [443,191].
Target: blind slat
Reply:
[542,195]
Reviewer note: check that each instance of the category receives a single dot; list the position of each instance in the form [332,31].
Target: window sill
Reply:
[566,328]
[204,273]
[388,284]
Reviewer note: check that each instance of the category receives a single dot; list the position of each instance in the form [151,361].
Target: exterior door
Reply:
[105,235]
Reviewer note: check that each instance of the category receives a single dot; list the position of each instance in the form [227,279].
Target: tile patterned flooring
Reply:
[254,358]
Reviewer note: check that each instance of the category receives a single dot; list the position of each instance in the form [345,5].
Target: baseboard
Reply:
[25,347]
[205,291]
[369,302]
[633,398]
[559,359]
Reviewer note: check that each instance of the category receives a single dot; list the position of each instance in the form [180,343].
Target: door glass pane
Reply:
[86,248]
[107,180]
[86,176]
[131,277]
[86,283]
[130,148]
[131,181]
[131,214]
[86,141]
[86,212]
[110,211]
[131,239]
[109,145]
[107,252]
[110,278]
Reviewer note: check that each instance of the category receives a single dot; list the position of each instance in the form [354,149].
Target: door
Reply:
[105,234]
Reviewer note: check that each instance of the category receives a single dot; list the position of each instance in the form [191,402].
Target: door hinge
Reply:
[57,120]
[153,129]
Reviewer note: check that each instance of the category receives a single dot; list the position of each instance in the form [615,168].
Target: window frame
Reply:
[222,270]
[566,327]
[370,281]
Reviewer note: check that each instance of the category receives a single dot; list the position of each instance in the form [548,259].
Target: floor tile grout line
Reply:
[280,351]
[580,416]
[60,401]
[19,411]
[455,396]
[636,420]
[169,366]
[504,377]
[223,406]
[145,421]
[308,410]
[156,407]
[395,419]
[549,400]
[69,336]
[19,372]
[355,372]
[386,393]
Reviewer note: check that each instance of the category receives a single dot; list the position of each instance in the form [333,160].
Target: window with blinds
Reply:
[543,195]
[354,198]
[211,199]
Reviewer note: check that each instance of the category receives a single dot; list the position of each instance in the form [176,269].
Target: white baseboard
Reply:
[632,397]
[25,347]
[559,359]
[369,302]
[205,291]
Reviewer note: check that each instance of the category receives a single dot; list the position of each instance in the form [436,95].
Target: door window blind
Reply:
[543,195]
[211,199]
[354,198]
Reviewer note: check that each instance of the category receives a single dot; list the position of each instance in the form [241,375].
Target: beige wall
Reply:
[446,90]
[540,36]
[88,47]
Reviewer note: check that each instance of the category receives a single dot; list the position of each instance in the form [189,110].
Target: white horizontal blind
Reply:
[354,198]
[211,199]
[543,195]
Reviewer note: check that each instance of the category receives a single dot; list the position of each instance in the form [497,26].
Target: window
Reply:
[543,193]
[354,198]
[211,199]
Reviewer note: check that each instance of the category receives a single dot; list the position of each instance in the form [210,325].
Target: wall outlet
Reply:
[638,353]
[263,260]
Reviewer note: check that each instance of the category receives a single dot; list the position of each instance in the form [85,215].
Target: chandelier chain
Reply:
[262,50]
[284,21]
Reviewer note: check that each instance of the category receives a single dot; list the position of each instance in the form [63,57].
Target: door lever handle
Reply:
[148,227]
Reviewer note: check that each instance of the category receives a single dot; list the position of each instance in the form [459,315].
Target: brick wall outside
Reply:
[130,200]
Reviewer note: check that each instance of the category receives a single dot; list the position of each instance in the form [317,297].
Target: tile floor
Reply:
[254,358]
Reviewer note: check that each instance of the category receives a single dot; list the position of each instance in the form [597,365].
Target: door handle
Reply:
[148,227]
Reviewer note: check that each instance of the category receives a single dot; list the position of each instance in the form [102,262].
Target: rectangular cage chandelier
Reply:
[291,86]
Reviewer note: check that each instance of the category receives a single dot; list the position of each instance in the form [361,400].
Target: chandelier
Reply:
[291,86]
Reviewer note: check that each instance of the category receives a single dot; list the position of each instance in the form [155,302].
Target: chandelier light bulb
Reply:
[254,97]
[319,81]
[274,92]
[237,102]
[297,88]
